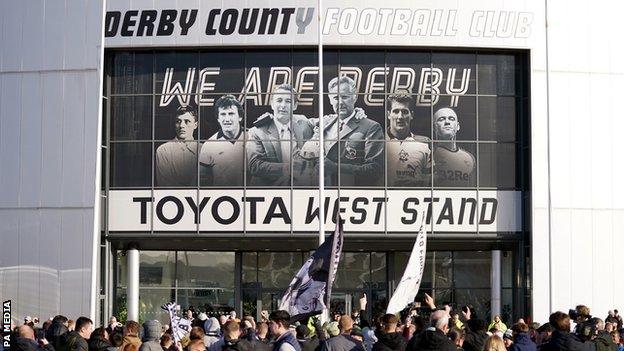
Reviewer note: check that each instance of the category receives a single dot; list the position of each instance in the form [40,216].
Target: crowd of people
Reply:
[423,329]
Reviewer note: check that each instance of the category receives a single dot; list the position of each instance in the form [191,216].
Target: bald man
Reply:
[453,166]
[434,338]
[26,340]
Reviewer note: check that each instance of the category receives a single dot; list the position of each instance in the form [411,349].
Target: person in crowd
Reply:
[388,338]
[262,333]
[99,340]
[306,341]
[611,318]
[455,321]
[615,335]
[212,329]
[77,339]
[71,325]
[167,343]
[475,335]
[433,338]
[562,339]
[112,325]
[131,335]
[26,340]
[603,339]
[457,336]
[116,339]
[343,341]
[521,339]
[497,324]
[494,343]
[231,340]
[151,336]
[620,322]
[130,347]
[285,340]
[57,331]
[544,333]
[196,345]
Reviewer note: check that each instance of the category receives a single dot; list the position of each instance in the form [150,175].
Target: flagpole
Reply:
[321,233]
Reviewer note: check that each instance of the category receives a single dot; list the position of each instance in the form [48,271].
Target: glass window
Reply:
[150,301]
[359,161]
[353,271]
[497,118]
[507,271]
[457,122]
[277,269]
[222,163]
[121,268]
[131,118]
[408,163]
[156,268]
[224,69]
[477,299]
[472,269]
[497,74]
[378,268]
[497,165]
[132,72]
[213,300]
[131,164]
[250,264]
[205,269]
[457,73]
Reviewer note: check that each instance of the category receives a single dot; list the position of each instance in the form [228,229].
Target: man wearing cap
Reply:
[176,160]
[344,341]
[222,157]
[275,137]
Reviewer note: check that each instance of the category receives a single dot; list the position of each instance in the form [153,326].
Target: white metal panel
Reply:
[72,264]
[52,139]
[30,143]
[11,111]
[50,261]
[559,113]
[539,141]
[561,277]
[74,29]
[580,256]
[90,147]
[94,16]
[617,185]
[540,275]
[603,264]
[12,36]
[28,279]
[9,260]
[73,139]
[579,150]
[603,145]
[33,29]
[54,40]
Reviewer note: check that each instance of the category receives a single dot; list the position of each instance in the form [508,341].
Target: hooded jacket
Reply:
[431,340]
[390,341]
[212,330]
[522,342]
[151,336]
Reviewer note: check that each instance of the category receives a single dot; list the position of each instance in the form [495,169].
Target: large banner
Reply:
[488,23]
[275,211]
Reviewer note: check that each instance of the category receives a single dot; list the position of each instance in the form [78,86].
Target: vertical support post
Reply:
[133,283]
[495,283]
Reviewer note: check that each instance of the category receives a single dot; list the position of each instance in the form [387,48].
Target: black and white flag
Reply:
[410,282]
[309,292]
[179,325]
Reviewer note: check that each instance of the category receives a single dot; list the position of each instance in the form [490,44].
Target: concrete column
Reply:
[495,283]
[133,283]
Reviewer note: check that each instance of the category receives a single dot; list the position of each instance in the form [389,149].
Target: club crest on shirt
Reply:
[403,156]
[350,153]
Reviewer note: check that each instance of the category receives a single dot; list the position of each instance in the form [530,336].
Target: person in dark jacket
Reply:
[151,336]
[388,338]
[475,335]
[603,340]
[56,333]
[279,322]
[306,342]
[433,338]
[562,339]
[521,339]
[26,341]
[99,340]
[77,339]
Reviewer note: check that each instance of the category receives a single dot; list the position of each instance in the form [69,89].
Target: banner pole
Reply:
[321,234]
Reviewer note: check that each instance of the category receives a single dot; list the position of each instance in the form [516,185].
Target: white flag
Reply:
[410,282]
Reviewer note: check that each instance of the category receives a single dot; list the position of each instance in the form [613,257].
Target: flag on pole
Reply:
[179,326]
[410,282]
[310,290]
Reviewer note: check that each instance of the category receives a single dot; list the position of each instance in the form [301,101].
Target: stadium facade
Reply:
[493,120]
